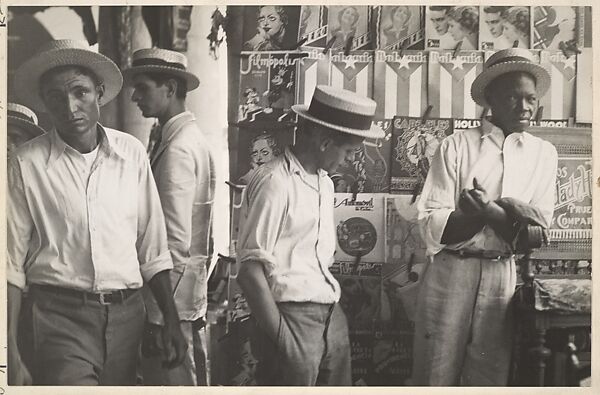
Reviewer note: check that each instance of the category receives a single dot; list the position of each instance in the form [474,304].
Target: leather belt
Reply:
[104,298]
[482,254]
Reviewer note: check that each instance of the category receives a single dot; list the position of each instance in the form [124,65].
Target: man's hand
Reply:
[152,340]
[174,345]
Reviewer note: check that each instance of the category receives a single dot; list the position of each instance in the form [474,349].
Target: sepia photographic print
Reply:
[286,195]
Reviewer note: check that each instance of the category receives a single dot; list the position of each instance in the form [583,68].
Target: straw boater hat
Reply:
[506,61]
[157,60]
[65,53]
[25,119]
[341,110]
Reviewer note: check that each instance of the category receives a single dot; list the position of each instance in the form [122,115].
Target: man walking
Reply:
[184,172]
[85,230]
[287,242]
[483,185]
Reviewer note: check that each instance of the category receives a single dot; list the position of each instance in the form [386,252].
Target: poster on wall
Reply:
[257,146]
[349,22]
[359,227]
[584,26]
[553,25]
[369,171]
[437,32]
[414,143]
[399,27]
[313,70]
[450,80]
[361,301]
[400,85]
[267,87]
[584,108]
[353,72]
[270,27]
[313,25]
[559,101]
[502,27]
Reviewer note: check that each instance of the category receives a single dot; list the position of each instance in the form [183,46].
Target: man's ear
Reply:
[171,87]
[100,89]
[325,142]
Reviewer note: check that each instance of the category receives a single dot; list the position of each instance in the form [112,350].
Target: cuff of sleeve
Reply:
[434,227]
[267,260]
[157,265]
[16,278]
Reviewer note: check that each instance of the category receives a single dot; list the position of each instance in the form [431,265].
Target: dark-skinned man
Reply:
[483,185]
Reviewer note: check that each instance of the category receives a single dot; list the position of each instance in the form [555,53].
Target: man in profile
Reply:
[494,21]
[439,18]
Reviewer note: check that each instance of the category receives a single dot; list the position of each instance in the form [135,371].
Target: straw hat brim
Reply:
[30,128]
[192,82]
[28,76]
[541,75]
[375,132]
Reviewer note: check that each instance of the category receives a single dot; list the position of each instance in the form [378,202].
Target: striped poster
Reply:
[450,80]
[400,86]
[559,101]
[313,70]
[353,72]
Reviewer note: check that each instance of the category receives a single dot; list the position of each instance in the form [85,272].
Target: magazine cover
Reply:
[392,359]
[361,301]
[348,21]
[584,26]
[267,87]
[559,101]
[270,27]
[313,70]
[553,25]
[257,146]
[437,32]
[369,171]
[353,72]
[414,143]
[313,25]
[400,85]
[450,80]
[398,27]
[502,27]
[359,227]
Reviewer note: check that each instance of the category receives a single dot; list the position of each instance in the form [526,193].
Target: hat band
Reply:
[19,115]
[339,117]
[156,62]
[512,59]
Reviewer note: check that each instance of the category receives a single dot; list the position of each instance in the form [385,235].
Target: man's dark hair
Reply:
[162,78]
[444,8]
[79,69]
[494,9]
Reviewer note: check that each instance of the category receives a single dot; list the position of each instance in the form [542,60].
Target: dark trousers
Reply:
[312,347]
[82,342]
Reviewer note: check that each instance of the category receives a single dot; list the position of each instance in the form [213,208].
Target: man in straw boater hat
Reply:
[21,126]
[483,185]
[287,241]
[184,172]
[85,229]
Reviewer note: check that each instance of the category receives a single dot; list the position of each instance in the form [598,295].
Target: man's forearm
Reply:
[461,227]
[160,285]
[496,217]
[253,282]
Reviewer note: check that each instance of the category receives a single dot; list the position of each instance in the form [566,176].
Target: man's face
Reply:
[335,155]
[494,23]
[72,101]
[440,23]
[151,98]
[513,100]
[15,136]
[270,21]
[261,153]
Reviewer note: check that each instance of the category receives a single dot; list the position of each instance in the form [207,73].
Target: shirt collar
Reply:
[496,135]
[173,124]
[58,146]
[295,167]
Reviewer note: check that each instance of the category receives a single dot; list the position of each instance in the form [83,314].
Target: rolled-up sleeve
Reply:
[437,199]
[152,247]
[262,219]
[545,194]
[19,226]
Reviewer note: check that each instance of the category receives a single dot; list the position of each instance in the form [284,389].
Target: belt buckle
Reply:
[102,300]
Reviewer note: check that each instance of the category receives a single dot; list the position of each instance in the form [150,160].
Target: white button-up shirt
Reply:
[95,230]
[287,224]
[520,166]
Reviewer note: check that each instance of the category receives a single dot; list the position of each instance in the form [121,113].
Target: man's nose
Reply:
[135,96]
